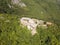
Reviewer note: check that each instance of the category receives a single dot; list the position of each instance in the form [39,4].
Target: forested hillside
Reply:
[11,33]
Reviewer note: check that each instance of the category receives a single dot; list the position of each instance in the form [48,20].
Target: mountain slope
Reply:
[43,9]
[11,33]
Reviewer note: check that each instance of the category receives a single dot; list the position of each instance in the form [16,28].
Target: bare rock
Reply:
[32,24]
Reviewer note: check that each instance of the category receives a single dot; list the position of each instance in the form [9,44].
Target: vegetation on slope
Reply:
[43,9]
[11,33]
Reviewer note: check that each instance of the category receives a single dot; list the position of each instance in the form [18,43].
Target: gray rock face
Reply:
[16,1]
[58,1]
[19,3]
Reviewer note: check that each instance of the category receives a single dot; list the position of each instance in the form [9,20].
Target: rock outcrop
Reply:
[18,3]
[32,24]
